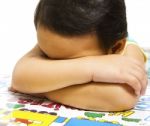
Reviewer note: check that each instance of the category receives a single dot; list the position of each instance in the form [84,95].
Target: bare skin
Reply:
[74,71]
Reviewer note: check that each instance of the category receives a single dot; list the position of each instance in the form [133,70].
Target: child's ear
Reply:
[118,47]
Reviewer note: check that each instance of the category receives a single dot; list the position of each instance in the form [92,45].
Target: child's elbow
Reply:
[121,98]
[19,80]
[124,102]
[128,98]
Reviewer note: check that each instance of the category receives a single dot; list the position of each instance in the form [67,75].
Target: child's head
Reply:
[101,21]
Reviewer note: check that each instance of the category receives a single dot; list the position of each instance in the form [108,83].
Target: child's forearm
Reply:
[96,96]
[36,74]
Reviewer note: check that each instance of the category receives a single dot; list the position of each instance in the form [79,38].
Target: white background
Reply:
[17,32]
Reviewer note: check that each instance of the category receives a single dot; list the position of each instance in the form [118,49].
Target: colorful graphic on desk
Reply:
[24,110]
[37,112]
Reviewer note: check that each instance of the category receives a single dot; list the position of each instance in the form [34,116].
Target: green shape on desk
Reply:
[131,120]
[94,115]
[14,106]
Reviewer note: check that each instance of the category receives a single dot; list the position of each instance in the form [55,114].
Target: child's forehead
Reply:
[54,43]
[46,36]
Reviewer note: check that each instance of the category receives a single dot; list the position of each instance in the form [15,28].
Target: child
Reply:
[82,58]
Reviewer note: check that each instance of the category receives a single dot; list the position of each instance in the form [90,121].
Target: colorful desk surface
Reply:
[24,110]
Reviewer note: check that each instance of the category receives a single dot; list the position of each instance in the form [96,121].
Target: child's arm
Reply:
[35,73]
[100,96]
[96,96]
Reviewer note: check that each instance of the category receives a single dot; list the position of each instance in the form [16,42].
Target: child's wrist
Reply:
[89,67]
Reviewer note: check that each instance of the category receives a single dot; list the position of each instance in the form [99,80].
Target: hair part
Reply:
[106,18]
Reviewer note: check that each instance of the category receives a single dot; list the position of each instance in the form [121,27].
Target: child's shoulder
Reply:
[135,44]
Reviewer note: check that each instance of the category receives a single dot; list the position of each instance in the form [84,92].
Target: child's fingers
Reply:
[142,76]
[132,81]
[138,84]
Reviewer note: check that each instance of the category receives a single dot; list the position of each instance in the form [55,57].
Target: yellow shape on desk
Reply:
[44,119]
[123,114]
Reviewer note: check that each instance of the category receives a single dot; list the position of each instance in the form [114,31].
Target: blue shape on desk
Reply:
[79,122]
[60,119]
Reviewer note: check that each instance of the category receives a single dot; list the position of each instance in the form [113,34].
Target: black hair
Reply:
[106,18]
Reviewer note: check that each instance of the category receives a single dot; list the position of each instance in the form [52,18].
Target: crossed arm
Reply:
[70,82]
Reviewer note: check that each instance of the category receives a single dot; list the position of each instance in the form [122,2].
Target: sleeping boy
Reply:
[82,57]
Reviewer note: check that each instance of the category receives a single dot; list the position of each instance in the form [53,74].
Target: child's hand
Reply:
[119,69]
